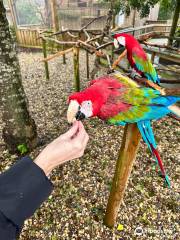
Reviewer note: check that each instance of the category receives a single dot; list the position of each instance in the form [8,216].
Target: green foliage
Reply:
[142,6]
[166,10]
[22,148]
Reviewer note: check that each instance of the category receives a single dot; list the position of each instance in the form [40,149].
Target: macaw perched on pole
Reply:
[119,100]
[136,56]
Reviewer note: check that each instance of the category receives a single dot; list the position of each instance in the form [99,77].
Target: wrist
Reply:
[44,165]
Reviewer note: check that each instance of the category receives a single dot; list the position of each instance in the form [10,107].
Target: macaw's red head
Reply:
[89,102]
[123,39]
[85,104]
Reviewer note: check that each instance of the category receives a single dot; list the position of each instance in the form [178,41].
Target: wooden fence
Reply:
[29,37]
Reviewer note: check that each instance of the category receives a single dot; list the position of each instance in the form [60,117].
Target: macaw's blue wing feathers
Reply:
[165,100]
[147,133]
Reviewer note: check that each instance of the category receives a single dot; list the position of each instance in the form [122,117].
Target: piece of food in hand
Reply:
[72,110]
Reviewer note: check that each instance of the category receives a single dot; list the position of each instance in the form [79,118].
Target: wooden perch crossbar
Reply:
[59,42]
[93,20]
[60,53]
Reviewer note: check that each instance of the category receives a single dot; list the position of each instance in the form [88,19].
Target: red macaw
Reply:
[120,100]
[136,56]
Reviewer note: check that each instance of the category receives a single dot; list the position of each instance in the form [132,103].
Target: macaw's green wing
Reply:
[140,104]
[143,64]
[129,83]
[139,113]
[132,93]
[139,96]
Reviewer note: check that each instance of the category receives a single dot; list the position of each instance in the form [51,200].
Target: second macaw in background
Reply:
[136,56]
[120,100]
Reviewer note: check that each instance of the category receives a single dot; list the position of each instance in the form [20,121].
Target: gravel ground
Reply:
[77,205]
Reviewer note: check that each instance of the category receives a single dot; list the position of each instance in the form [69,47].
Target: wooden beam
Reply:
[56,23]
[60,53]
[127,155]
[55,20]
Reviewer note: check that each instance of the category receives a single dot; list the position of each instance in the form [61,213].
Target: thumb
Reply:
[72,131]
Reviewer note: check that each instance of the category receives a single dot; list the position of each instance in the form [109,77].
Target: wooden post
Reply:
[87,64]
[76,69]
[114,14]
[152,57]
[55,23]
[127,155]
[45,56]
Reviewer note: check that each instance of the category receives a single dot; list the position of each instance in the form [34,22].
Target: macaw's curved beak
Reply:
[72,111]
[80,115]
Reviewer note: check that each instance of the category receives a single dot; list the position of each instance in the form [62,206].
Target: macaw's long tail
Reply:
[148,136]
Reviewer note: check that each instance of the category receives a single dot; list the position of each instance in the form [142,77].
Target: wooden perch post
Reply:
[55,23]
[87,64]
[127,155]
[45,56]
[153,56]
[76,69]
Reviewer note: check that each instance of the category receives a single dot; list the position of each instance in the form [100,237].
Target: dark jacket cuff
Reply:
[22,190]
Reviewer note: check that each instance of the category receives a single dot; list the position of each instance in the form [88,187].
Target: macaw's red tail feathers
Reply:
[160,163]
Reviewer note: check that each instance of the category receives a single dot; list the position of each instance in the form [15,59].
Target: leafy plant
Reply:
[22,148]
[166,9]
[142,6]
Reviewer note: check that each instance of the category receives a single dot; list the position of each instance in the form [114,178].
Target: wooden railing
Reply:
[29,37]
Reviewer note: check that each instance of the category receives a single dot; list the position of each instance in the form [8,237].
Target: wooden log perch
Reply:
[45,56]
[117,61]
[127,155]
[94,19]
[60,53]
[76,69]
[58,42]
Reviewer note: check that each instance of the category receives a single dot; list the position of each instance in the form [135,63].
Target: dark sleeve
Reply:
[22,190]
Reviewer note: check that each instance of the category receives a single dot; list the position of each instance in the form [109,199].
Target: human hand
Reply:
[67,146]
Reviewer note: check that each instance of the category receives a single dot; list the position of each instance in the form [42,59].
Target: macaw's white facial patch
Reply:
[116,44]
[122,40]
[86,108]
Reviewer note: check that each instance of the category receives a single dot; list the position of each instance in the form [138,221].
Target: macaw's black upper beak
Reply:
[80,116]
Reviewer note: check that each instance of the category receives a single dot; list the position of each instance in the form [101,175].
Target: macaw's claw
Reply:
[134,74]
[110,70]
